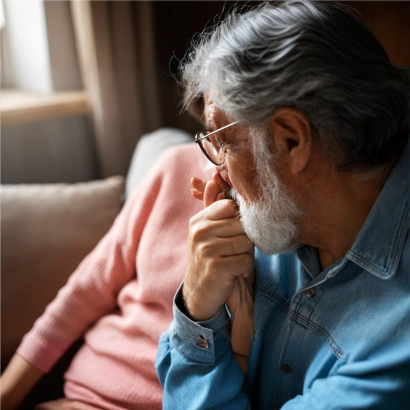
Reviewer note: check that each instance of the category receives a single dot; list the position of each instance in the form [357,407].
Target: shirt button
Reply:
[286,369]
[310,293]
[201,342]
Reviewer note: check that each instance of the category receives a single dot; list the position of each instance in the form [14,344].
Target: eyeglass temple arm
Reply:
[213,132]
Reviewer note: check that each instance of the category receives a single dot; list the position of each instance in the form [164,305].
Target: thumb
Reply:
[212,190]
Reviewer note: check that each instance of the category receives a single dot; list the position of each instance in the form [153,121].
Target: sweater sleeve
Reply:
[91,291]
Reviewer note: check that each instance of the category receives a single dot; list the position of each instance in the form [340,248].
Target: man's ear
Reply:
[292,137]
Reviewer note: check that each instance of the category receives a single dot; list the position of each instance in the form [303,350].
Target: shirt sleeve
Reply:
[92,290]
[195,360]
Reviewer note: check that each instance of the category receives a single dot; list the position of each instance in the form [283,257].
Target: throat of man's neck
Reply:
[327,258]
[339,235]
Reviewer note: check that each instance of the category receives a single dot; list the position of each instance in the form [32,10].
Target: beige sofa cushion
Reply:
[46,231]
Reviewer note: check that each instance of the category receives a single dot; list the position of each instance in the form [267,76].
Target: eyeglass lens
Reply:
[213,148]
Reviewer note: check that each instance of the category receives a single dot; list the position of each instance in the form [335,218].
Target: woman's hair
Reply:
[317,57]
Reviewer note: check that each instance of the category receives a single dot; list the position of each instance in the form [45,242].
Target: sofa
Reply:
[46,231]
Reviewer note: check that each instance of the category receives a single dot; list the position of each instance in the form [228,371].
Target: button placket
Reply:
[289,352]
[299,307]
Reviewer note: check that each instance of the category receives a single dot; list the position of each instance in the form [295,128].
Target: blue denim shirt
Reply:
[332,339]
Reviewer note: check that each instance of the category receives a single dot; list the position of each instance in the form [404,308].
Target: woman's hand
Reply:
[17,380]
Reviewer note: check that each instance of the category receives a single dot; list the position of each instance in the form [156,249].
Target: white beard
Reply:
[269,221]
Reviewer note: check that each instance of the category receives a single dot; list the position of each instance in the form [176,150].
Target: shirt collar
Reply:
[379,244]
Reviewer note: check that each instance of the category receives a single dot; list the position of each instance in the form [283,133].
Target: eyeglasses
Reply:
[211,145]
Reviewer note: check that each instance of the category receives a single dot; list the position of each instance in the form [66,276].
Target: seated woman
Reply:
[119,298]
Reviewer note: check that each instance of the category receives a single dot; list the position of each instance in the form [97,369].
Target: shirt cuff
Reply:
[201,342]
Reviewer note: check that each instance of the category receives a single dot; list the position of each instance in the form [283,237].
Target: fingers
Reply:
[201,229]
[223,185]
[197,194]
[198,184]
[222,209]
[235,245]
[199,187]
[219,250]
[227,228]
[218,211]
[212,190]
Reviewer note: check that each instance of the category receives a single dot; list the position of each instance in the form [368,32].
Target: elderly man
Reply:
[308,124]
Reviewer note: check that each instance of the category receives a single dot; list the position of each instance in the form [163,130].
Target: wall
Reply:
[389,21]
[178,21]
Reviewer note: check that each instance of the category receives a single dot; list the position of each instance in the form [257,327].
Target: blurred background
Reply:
[82,81]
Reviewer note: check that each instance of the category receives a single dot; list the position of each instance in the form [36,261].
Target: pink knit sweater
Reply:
[120,296]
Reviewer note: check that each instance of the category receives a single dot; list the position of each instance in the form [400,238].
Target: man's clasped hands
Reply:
[220,265]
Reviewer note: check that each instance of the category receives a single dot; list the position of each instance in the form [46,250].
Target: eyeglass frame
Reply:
[198,140]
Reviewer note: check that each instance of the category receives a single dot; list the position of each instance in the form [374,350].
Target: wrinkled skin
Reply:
[223,260]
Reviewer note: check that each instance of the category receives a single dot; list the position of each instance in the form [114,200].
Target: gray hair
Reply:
[317,57]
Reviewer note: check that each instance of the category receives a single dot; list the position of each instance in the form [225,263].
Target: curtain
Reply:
[116,46]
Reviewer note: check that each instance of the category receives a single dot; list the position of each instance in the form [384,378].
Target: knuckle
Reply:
[199,248]
[195,219]
[201,228]
[194,235]
[198,231]
[192,222]
[205,249]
